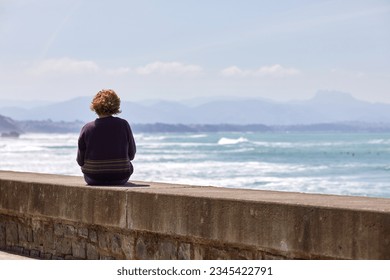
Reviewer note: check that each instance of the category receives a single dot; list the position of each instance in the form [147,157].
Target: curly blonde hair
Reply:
[106,102]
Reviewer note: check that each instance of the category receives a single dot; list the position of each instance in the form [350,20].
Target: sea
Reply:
[355,164]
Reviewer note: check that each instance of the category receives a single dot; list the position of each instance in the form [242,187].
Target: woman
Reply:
[106,146]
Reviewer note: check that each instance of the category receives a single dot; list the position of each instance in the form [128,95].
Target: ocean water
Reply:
[329,163]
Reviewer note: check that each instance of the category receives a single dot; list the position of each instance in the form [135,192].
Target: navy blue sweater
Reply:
[106,147]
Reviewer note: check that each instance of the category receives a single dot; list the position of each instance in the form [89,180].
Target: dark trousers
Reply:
[93,182]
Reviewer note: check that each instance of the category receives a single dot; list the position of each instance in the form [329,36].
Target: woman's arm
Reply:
[132,146]
[81,149]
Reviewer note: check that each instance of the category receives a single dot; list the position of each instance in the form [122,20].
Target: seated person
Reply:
[106,145]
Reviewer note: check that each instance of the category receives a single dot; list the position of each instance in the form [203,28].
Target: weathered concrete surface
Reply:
[12,257]
[147,220]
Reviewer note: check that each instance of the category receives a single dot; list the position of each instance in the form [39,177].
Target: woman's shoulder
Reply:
[118,119]
[87,128]
[89,125]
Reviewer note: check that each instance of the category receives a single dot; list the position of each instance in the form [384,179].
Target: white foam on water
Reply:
[230,141]
[197,136]
[156,145]
[379,141]
[142,137]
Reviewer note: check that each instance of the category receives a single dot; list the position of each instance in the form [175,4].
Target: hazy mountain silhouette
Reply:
[8,125]
[324,107]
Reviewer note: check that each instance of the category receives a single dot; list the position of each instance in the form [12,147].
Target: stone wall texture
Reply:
[59,217]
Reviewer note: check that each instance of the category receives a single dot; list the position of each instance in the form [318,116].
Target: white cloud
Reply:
[118,71]
[175,68]
[65,66]
[275,70]
[233,71]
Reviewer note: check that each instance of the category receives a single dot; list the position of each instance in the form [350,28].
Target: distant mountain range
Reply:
[324,107]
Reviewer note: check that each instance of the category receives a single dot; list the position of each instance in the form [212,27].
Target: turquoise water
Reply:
[355,164]
[331,163]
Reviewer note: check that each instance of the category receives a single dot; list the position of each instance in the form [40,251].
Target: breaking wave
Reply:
[230,141]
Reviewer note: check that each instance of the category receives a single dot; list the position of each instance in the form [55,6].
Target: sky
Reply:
[184,49]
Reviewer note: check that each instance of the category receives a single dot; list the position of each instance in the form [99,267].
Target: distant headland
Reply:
[13,128]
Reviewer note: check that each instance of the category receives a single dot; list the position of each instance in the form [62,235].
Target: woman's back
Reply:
[109,138]
[106,146]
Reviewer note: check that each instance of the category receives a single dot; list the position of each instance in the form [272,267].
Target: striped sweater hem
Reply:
[106,166]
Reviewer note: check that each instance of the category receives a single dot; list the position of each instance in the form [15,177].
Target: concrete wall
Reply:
[59,217]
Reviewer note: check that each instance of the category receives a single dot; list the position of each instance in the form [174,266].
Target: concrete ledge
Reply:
[12,257]
[156,220]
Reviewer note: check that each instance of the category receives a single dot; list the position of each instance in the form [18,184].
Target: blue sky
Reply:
[282,50]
